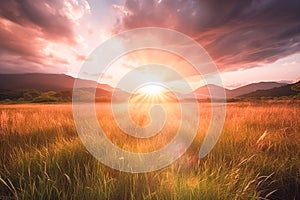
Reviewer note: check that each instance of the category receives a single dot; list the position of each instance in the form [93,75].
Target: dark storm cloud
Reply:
[28,27]
[47,16]
[237,34]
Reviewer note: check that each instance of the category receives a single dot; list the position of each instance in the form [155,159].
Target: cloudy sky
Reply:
[249,40]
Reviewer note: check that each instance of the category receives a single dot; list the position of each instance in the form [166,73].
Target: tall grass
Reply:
[256,157]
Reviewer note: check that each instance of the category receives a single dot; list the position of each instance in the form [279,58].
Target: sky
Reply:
[249,40]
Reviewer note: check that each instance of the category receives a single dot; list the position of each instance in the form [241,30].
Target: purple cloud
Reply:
[237,34]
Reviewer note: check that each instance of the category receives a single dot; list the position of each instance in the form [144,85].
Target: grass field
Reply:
[256,157]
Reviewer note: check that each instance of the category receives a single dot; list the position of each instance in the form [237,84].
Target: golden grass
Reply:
[256,157]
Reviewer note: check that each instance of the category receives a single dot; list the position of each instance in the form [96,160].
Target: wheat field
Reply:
[256,157]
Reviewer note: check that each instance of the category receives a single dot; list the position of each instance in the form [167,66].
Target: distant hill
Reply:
[203,92]
[43,82]
[47,82]
[286,90]
[16,86]
[47,88]
[252,88]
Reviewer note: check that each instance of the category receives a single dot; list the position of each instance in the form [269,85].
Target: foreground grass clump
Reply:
[256,157]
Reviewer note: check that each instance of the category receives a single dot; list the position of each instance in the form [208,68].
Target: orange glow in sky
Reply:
[245,48]
[152,90]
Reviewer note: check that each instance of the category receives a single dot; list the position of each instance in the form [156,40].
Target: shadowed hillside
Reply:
[44,82]
[286,90]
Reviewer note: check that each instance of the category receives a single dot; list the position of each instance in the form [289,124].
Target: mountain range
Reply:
[285,90]
[44,82]
[203,92]
[62,82]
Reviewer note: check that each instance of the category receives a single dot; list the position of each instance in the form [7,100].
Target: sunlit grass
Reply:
[257,156]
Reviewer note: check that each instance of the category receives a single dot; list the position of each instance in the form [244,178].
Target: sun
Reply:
[152,90]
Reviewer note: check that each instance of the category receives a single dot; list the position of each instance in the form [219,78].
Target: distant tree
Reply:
[21,99]
[296,87]
[11,94]
[64,96]
[27,97]
[46,97]
[7,101]
[31,94]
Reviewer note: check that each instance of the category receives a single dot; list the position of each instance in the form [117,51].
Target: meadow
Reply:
[256,157]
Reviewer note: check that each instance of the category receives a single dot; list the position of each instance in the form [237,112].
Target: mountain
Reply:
[203,92]
[53,88]
[44,82]
[62,82]
[286,90]
[252,88]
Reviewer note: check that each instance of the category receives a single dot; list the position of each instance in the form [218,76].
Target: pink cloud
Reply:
[29,27]
[237,34]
